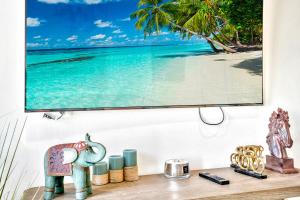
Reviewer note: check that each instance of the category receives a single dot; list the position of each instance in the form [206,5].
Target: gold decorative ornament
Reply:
[249,158]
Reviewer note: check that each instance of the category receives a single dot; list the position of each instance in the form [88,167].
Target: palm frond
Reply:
[8,166]
[15,192]
[142,3]
[8,150]
[141,21]
[5,137]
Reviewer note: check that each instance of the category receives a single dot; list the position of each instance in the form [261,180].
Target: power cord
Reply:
[212,124]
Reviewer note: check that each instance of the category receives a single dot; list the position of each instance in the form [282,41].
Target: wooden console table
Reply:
[276,186]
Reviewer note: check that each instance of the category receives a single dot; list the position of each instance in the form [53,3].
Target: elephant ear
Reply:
[70,155]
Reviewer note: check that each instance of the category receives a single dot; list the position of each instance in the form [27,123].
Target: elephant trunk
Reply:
[93,157]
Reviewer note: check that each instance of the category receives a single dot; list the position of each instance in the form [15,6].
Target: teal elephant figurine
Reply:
[73,159]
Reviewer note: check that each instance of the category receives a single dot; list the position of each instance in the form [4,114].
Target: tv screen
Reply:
[118,54]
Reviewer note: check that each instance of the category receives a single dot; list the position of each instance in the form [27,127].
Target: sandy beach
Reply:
[213,79]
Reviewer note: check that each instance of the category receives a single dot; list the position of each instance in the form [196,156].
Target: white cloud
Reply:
[97,37]
[167,39]
[108,39]
[92,43]
[37,37]
[33,22]
[95,1]
[125,19]
[33,44]
[102,24]
[72,38]
[54,1]
[118,31]
[89,2]
[106,42]
[92,1]
[46,39]
[122,36]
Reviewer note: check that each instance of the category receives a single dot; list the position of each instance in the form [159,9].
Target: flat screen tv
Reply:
[122,54]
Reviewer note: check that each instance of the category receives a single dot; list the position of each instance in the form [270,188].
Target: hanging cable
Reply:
[212,124]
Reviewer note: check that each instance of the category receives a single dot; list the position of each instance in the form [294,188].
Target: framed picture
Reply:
[122,54]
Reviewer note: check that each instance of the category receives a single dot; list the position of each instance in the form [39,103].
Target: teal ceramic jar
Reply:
[130,157]
[116,165]
[116,162]
[100,168]
[130,165]
[100,173]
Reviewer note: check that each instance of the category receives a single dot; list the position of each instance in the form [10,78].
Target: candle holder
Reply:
[130,165]
[116,164]
[100,174]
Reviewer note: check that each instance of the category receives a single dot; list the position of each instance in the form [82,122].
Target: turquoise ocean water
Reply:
[102,77]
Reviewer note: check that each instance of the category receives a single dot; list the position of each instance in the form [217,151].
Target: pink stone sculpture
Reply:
[278,139]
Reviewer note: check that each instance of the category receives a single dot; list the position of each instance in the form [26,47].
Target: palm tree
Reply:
[202,17]
[186,16]
[151,16]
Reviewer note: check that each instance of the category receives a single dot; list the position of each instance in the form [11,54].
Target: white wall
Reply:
[167,133]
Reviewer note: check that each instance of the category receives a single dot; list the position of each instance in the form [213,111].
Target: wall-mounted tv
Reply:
[122,54]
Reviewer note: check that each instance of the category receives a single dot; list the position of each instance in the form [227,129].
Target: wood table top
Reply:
[276,186]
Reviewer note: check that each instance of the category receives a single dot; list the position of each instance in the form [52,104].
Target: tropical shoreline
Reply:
[183,76]
[219,78]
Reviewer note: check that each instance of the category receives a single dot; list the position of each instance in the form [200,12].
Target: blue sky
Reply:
[87,23]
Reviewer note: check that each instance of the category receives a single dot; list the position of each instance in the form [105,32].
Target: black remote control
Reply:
[214,178]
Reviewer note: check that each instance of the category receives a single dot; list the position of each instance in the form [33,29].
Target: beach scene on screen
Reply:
[93,54]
